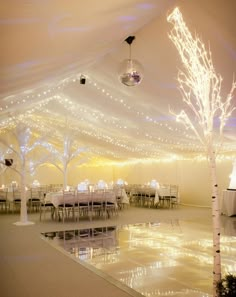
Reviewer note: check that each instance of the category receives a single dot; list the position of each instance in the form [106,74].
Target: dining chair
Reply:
[97,203]
[45,206]
[149,197]
[4,203]
[81,205]
[66,208]
[34,201]
[118,191]
[16,200]
[110,207]
[164,195]
[134,198]
[140,196]
[174,195]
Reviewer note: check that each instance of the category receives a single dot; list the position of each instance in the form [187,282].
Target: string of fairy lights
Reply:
[181,143]
[68,104]
[113,155]
[103,138]
[142,147]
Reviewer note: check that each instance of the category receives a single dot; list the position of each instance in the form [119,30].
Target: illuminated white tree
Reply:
[20,151]
[200,86]
[61,158]
[232,184]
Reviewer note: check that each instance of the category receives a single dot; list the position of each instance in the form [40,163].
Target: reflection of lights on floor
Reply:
[156,259]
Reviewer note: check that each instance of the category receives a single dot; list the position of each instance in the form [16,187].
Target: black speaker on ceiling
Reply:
[82,80]
[8,162]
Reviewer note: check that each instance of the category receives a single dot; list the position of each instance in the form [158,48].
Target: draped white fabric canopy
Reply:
[46,45]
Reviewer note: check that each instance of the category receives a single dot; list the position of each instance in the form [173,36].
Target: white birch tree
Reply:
[22,164]
[200,86]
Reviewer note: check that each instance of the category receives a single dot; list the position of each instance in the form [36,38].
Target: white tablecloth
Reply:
[228,203]
[56,198]
[124,197]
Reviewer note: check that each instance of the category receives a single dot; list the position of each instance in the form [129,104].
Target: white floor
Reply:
[164,257]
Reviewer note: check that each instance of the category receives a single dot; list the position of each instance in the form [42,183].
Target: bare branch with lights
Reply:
[61,158]
[199,83]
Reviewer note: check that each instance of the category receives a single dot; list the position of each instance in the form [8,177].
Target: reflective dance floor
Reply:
[171,258]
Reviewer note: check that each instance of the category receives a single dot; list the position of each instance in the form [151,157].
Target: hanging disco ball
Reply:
[130,72]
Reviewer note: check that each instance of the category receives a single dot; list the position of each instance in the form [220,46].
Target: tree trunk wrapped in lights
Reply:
[20,151]
[200,86]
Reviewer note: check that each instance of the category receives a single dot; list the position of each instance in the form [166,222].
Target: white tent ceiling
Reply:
[47,44]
